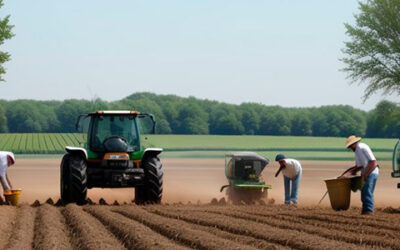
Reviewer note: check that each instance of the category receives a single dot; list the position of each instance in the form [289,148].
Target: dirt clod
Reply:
[116,203]
[90,202]
[262,202]
[58,203]
[50,201]
[103,202]
[222,202]
[391,210]
[36,203]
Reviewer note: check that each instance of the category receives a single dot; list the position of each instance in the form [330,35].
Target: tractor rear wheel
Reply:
[151,191]
[73,181]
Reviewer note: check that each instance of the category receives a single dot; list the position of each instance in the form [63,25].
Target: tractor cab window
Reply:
[82,124]
[146,124]
[121,127]
[247,169]
[229,168]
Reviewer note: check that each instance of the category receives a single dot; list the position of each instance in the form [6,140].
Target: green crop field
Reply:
[206,146]
[38,143]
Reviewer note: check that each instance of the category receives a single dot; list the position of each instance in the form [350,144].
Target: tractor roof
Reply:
[115,112]
[247,156]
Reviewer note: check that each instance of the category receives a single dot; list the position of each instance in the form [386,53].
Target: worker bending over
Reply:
[6,160]
[291,170]
[367,164]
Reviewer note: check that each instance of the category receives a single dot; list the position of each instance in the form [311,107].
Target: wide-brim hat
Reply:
[351,140]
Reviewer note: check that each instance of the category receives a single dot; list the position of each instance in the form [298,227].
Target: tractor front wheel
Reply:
[73,179]
[151,191]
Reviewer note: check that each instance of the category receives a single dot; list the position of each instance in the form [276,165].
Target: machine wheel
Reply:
[73,179]
[151,191]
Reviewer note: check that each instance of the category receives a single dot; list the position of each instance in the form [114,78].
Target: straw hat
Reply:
[351,140]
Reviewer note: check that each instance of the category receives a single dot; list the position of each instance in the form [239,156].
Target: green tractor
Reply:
[396,162]
[243,171]
[113,156]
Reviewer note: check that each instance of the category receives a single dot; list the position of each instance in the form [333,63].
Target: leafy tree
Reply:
[274,121]
[225,119]
[250,118]
[301,124]
[193,120]
[23,117]
[144,102]
[68,112]
[384,120]
[282,124]
[3,121]
[373,52]
[5,34]
[338,121]
[171,112]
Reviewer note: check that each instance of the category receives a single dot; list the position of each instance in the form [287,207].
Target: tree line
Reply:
[178,115]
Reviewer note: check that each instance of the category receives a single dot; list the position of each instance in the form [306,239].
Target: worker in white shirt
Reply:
[6,160]
[291,170]
[367,164]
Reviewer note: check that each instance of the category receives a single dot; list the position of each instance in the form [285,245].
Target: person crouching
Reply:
[291,170]
[7,159]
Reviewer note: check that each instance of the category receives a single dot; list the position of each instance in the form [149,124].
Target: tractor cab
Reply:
[244,166]
[115,131]
[396,162]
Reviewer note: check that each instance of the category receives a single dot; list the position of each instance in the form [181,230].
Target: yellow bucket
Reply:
[339,193]
[12,196]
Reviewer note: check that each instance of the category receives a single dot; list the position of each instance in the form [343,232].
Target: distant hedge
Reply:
[177,115]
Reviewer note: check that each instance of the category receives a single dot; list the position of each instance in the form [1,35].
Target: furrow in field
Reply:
[51,231]
[315,220]
[242,239]
[349,214]
[367,222]
[22,232]
[178,230]
[360,237]
[134,234]
[7,221]
[286,237]
[371,225]
[87,232]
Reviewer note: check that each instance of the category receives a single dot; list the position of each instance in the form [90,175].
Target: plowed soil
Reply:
[195,227]
[199,180]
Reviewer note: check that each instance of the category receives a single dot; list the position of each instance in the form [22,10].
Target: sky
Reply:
[271,52]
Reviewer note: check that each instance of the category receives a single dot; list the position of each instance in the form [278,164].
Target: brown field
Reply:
[198,225]
[195,227]
[199,180]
